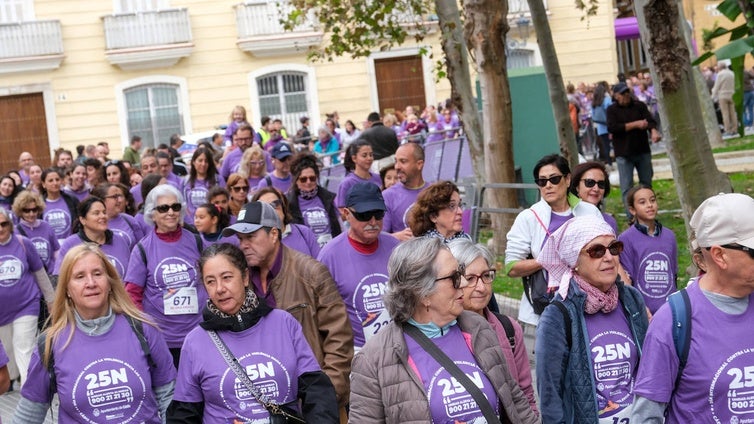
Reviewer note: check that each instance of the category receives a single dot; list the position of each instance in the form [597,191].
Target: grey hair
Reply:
[4,212]
[325,129]
[412,273]
[466,252]
[160,191]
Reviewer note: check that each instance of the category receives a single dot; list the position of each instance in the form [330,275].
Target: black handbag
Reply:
[535,289]
[279,414]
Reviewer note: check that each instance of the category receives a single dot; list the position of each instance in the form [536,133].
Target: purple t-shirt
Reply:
[315,217]
[652,263]
[105,378]
[349,181]
[44,240]
[58,216]
[716,385]
[19,292]
[282,184]
[610,221]
[274,364]
[231,239]
[197,195]
[230,163]
[614,359]
[449,402]
[175,181]
[398,200]
[303,239]
[361,280]
[173,294]
[118,252]
[126,227]
[136,193]
[80,195]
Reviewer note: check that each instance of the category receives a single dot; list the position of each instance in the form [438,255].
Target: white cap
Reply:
[726,218]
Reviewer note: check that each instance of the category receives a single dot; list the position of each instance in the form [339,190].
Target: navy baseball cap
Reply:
[281,151]
[365,197]
[620,87]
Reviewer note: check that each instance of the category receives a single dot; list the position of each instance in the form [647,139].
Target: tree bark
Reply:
[558,98]
[485,30]
[694,170]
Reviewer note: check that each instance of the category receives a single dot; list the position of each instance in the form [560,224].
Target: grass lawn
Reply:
[731,145]
[670,217]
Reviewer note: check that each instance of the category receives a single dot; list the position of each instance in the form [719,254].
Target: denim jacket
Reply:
[565,380]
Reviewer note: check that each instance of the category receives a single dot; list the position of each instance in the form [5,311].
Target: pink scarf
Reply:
[596,300]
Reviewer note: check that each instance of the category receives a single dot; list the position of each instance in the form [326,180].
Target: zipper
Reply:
[300,305]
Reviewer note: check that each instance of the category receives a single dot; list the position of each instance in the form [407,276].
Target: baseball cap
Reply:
[620,87]
[303,119]
[365,197]
[724,219]
[281,151]
[252,217]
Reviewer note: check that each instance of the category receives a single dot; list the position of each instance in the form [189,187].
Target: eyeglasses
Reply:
[244,139]
[748,250]
[115,197]
[456,277]
[589,183]
[256,162]
[27,210]
[176,207]
[597,251]
[455,206]
[555,180]
[304,180]
[239,188]
[5,224]
[368,215]
[487,277]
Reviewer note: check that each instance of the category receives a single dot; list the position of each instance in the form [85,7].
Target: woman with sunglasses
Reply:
[437,212]
[479,263]
[238,188]
[29,206]
[162,277]
[533,226]
[201,178]
[114,196]
[296,236]
[310,203]
[591,183]
[396,380]
[589,339]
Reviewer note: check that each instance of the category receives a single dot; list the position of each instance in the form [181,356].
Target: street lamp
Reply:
[522,24]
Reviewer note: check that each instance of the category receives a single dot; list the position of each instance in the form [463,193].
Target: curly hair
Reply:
[299,163]
[23,200]
[428,204]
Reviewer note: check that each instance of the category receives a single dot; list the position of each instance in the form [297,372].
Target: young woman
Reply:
[28,207]
[238,187]
[77,186]
[35,179]
[120,223]
[8,191]
[60,210]
[115,172]
[254,166]
[312,204]
[358,161]
[650,254]
[202,177]
[210,221]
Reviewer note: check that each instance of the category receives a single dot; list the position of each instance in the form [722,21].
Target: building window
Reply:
[131,6]
[12,11]
[520,58]
[283,95]
[631,56]
[154,112]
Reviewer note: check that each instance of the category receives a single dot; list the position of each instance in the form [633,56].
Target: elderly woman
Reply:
[395,379]
[311,204]
[161,277]
[244,351]
[437,212]
[29,206]
[101,355]
[22,278]
[296,236]
[479,263]
[589,339]
[327,146]
[533,226]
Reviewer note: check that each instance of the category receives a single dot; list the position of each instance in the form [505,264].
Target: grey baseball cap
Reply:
[252,217]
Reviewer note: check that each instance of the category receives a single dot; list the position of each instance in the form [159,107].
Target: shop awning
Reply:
[626,28]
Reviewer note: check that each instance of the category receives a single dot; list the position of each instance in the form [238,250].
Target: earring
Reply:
[576,270]
[427,306]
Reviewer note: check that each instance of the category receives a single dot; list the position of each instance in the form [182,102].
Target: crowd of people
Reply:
[236,288]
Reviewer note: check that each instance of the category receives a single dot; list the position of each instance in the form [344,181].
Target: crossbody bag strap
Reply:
[540,222]
[452,368]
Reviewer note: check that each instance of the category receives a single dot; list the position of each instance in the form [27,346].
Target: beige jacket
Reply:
[384,389]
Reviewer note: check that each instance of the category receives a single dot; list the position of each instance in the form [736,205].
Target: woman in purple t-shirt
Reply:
[106,360]
[296,236]
[60,210]
[29,206]
[267,344]
[358,162]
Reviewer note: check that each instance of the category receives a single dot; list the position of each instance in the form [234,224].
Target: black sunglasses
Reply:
[368,215]
[748,250]
[176,207]
[555,180]
[27,210]
[239,188]
[311,179]
[589,183]
[456,277]
[597,251]
[5,224]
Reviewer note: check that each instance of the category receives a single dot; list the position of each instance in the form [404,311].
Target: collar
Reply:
[96,326]
[171,236]
[27,224]
[364,249]
[108,237]
[645,230]
[432,330]
[287,231]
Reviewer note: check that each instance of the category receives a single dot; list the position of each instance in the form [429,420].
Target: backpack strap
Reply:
[142,252]
[199,243]
[680,308]
[138,329]
[21,231]
[566,321]
[510,333]
[268,179]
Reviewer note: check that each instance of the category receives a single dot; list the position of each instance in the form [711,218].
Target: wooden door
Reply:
[23,128]
[400,83]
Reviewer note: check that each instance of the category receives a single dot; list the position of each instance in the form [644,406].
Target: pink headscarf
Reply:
[561,251]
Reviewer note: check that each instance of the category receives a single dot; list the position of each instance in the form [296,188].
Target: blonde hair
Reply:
[238,108]
[252,153]
[62,314]
[24,198]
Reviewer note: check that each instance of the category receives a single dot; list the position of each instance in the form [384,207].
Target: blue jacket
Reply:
[564,378]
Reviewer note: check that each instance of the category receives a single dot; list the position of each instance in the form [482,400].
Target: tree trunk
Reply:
[558,99]
[694,170]
[485,29]
[457,66]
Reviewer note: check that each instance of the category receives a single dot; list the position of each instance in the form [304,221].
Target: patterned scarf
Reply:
[249,304]
[596,300]
[309,195]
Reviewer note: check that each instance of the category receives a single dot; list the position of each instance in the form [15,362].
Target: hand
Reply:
[656,136]
[404,234]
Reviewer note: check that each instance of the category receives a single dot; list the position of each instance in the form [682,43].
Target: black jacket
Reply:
[328,199]
[384,141]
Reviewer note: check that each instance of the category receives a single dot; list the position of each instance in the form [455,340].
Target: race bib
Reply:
[10,270]
[182,301]
[375,322]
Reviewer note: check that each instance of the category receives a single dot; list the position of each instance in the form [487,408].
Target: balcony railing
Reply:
[30,46]
[148,39]
[261,33]
[518,7]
